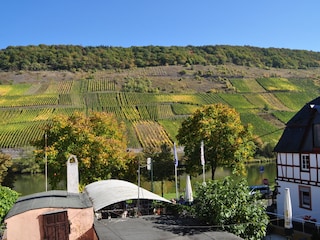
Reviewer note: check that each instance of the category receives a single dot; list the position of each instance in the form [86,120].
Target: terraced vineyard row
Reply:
[17,135]
[142,112]
[150,71]
[9,116]
[139,98]
[25,108]
[265,130]
[209,98]
[65,99]
[178,98]
[108,99]
[68,111]
[151,134]
[184,109]
[237,101]
[14,90]
[100,85]
[247,85]
[28,100]
[60,87]
[116,111]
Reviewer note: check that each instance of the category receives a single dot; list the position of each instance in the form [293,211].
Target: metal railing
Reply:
[299,224]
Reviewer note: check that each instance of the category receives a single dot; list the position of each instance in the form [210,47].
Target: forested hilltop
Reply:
[152,89]
[75,58]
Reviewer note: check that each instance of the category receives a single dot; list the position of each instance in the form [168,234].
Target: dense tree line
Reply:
[74,58]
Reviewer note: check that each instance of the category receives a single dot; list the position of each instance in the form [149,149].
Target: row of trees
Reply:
[99,143]
[71,57]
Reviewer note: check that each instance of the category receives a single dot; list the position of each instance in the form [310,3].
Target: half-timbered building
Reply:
[298,163]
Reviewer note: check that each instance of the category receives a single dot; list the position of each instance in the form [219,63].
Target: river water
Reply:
[27,184]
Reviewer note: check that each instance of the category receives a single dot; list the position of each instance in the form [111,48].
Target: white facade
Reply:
[300,172]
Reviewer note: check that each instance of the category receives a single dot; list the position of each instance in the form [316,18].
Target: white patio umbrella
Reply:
[188,192]
[287,209]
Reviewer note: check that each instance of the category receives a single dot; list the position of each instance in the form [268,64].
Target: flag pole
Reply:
[175,169]
[176,177]
[203,163]
[46,158]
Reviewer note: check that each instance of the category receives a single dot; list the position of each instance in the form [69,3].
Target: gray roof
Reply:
[50,199]
[107,192]
[155,227]
[297,136]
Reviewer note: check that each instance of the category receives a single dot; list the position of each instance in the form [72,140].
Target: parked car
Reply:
[264,190]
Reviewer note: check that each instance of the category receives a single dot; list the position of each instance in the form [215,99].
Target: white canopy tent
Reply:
[107,192]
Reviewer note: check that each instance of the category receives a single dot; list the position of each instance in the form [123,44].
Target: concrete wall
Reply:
[27,225]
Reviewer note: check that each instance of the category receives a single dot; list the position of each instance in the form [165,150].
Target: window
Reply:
[316,135]
[305,162]
[305,197]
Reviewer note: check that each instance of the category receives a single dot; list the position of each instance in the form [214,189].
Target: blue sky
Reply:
[124,23]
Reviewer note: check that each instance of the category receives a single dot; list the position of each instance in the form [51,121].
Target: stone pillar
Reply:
[72,175]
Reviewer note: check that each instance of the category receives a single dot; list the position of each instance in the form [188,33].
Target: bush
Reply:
[228,204]
[7,198]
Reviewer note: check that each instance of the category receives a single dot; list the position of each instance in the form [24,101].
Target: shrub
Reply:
[228,204]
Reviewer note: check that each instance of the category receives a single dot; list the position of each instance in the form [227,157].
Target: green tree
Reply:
[97,140]
[228,204]
[226,141]
[163,164]
[5,164]
[7,198]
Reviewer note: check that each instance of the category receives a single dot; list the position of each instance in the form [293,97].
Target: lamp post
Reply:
[149,167]
[138,202]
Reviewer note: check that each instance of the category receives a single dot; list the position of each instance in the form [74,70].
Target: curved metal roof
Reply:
[107,192]
[50,199]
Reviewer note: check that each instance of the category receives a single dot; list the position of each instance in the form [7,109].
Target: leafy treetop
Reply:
[7,198]
[226,141]
[5,164]
[98,141]
[228,204]
[162,163]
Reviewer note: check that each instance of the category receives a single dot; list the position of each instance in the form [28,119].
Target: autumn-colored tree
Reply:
[5,163]
[226,141]
[97,140]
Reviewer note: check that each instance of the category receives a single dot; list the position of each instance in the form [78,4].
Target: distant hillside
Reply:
[152,101]
[78,58]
